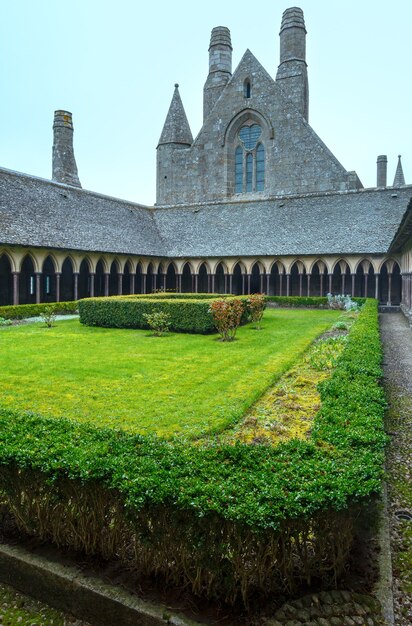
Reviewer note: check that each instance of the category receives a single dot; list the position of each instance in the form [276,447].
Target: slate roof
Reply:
[38,212]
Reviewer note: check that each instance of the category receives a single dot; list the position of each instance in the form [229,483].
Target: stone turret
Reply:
[399,179]
[176,135]
[292,73]
[220,67]
[64,163]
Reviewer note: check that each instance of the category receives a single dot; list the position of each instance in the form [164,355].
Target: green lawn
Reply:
[179,383]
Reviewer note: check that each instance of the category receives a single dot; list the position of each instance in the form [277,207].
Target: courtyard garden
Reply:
[233,469]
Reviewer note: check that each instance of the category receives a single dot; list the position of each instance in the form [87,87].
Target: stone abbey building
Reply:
[256,202]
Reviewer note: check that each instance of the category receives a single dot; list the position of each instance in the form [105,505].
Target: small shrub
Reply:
[48,316]
[325,353]
[342,302]
[227,315]
[158,321]
[340,325]
[4,322]
[256,304]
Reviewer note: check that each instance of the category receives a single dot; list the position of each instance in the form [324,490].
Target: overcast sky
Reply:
[113,64]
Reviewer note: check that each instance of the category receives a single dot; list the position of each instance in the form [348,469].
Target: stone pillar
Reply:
[64,163]
[389,288]
[321,274]
[366,284]
[106,284]
[58,277]
[280,283]
[330,283]
[267,284]
[287,285]
[243,284]
[179,283]
[308,278]
[119,284]
[225,283]
[262,278]
[92,275]
[300,284]
[343,283]
[38,287]
[249,276]
[16,276]
[377,286]
[208,283]
[212,277]
[230,283]
[196,277]
[353,284]
[76,285]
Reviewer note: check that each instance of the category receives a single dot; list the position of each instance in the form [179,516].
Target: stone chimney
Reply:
[292,72]
[220,67]
[64,163]
[381,170]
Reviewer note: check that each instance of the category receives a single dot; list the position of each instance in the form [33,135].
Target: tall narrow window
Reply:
[260,168]
[246,88]
[239,170]
[249,160]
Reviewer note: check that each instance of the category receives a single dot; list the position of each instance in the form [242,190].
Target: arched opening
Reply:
[317,280]
[126,284]
[202,281]
[48,281]
[99,280]
[160,279]
[84,280]
[150,279]
[275,287]
[396,295]
[238,286]
[187,279]
[341,279]
[390,284]
[255,282]
[171,278]
[6,281]
[220,279]
[138,286]
[365,281]
[113,280]
[27,282]
[67,281]
[296,279]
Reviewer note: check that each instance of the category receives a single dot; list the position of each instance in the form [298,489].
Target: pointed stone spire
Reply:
[64,168]
[176,128]
[399,179]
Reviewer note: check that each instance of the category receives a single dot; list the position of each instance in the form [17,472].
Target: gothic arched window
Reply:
[249,160]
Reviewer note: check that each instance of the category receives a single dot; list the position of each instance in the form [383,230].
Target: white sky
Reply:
[113,64]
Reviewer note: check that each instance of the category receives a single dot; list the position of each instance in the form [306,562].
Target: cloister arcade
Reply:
[42,275]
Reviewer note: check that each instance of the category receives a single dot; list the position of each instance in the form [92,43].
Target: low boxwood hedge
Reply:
[21,311]
[305,301]
[226,521]
[186,315]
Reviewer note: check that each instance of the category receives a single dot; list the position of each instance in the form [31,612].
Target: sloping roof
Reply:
[362,221]
[38,212]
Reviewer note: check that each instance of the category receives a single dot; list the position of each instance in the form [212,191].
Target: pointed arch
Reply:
[187,278]
[238,279]
[255,281]
[113,278]
[170,277]
[203,278]
[48,280]
[67,280]
[6,279]
[220,279]
[28,285]
[297,272]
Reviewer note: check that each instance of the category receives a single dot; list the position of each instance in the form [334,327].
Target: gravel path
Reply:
[397,343]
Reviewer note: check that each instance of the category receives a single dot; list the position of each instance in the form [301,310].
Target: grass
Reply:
[17,609]
[177,384]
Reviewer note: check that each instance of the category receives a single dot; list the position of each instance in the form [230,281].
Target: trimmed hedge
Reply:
[186,315]
[226,521]
[305,301]
[20,311]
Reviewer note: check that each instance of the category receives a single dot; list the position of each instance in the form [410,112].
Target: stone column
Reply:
[58,276]
[225,283]
[249,276]
[179,283]
[208,283]
[38,287]
[164,280]
[343,283]
[106,284]
[366,284]
[353,284]
[230,283]
[300,284]
[280,283]
[330,283]
[389,288]
[143,281]
[16,276]
[92,275]
[262,277]
[76,285]
[243,284]
[308,278]
[212,278]
[267,284]
[119,284]
[377,286]
[321,274]
[287,285]
[196,277]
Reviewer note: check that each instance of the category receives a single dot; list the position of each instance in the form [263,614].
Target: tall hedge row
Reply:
[227,521]
[186,315]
